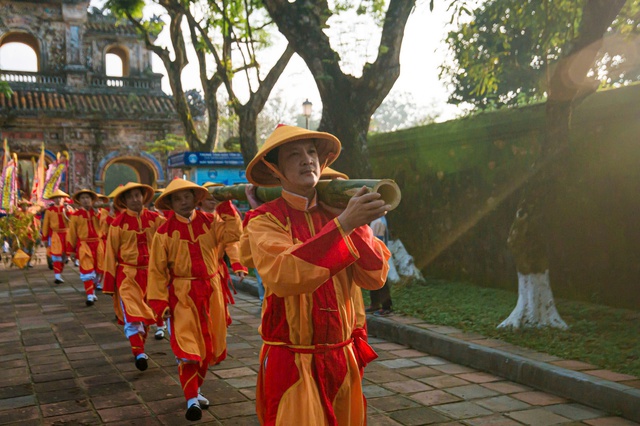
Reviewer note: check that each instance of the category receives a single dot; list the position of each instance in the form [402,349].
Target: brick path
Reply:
[66,363]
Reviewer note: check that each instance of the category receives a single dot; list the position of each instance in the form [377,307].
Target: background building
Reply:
[71,103]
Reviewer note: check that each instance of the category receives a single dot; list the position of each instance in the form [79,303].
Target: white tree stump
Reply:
[536,307]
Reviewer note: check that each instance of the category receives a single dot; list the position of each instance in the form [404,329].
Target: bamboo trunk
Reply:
[335,193]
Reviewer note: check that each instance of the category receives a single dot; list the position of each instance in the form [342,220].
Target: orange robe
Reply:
[83,239]
[127,261]
[313,320]
[183,278]
[54,230]
[106,218]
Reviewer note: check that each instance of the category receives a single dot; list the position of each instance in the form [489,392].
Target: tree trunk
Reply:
[347,102]
[247,129]
[568,86]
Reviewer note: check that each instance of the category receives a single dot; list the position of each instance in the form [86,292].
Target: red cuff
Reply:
[237,267]
[328,249]
[226,207]
[367,245]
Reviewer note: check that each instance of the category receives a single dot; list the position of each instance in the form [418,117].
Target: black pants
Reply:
[382,297]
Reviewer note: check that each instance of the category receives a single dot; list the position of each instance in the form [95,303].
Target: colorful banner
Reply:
[37,190]
[9,185]
[54,174]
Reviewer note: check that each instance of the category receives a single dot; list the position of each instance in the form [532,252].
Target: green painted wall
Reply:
[461,181]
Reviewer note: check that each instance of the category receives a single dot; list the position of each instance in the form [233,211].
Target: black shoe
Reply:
[382,313]
[89,302]
[57,281]
[370,309]
[142,364]
[194,413]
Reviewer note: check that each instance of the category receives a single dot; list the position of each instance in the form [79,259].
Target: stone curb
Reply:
[588,390]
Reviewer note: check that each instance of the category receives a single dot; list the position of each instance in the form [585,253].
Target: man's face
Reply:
[209,204]
[85,200]
[183,202]
[133,199]
[58,201]
[298,162]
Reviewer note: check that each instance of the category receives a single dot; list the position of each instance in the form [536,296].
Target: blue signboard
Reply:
[199,159]
[223,175]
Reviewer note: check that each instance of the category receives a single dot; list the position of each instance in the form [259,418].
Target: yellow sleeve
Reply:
[110,259]
[46,228]
[290,269]
[229,230]
[72,234]
[158,276]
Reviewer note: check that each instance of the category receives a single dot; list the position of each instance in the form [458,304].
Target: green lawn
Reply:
[600,335]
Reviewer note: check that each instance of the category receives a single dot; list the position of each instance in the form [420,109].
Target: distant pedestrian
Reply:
[127,263]
[184,285]
[380,299]
[54,232]
[83,240]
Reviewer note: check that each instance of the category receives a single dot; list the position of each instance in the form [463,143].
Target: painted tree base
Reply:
[536,307]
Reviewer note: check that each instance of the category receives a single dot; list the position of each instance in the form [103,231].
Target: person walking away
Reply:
[314,260]
[380,299]
[126,264]
[83,240]
[184,286]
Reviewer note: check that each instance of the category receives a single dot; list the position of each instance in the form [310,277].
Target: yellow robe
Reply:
[312,316]
[126,263]
[183,278]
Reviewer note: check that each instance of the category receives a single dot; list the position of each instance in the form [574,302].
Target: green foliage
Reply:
[122,8]
[5,89]
[603,336]
[169,144]
[504,54]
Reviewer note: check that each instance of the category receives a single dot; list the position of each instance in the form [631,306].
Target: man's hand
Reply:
[241,275]
[250,192]
[363,208]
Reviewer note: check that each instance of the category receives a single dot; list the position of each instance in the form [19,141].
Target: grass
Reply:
[606,337]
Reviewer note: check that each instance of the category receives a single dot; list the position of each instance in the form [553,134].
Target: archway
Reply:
[19,51]
[117,61]
[122,170]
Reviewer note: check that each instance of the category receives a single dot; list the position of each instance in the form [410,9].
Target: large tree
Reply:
[513,51]
[347,102]
[226,37]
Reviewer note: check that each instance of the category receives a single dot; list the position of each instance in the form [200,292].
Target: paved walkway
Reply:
[66,363]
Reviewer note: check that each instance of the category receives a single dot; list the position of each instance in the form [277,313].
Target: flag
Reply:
[37,189]
[54,174]
[9,184]
[7,156]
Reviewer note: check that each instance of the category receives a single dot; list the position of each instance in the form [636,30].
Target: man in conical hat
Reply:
[54,232]
[313,260]
[184,285]
[126,264]
[83,240]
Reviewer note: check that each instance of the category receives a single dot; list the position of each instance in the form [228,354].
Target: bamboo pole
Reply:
[335,193]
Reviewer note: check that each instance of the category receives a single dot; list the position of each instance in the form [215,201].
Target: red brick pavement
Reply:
[66,363]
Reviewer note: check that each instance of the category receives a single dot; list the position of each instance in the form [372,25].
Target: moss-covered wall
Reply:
[460,184]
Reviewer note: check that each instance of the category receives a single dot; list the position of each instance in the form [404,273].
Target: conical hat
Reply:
[211,184]
[259,173]
[118,198]
[58,193]
[94,196]
[117,189]
[329,173]
[162,202]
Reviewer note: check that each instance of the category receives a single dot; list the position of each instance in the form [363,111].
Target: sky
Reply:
[356,39]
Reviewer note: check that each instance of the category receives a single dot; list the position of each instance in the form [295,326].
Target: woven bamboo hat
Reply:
[93,195]
[118,197]
[260,171]
[163,201]
[211,184]
[58,193]
[329,173]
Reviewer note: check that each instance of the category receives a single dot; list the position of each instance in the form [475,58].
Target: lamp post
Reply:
[306,111]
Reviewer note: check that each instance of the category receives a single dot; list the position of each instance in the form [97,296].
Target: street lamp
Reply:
[306,111]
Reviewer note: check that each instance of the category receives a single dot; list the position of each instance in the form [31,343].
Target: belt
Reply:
[311,349]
